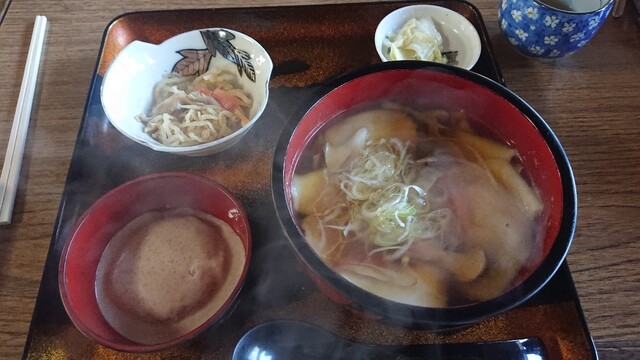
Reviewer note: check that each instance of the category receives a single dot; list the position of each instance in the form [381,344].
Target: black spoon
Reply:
[295,340]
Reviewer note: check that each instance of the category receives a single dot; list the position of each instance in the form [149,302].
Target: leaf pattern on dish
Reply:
[193,62]
[219,41]
[244,63]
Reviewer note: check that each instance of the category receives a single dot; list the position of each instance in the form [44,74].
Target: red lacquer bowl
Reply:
[95,228]
[491,106]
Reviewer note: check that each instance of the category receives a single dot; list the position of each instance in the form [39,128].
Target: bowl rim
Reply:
[411,315]
[602,7]
[473,43]
[214,318]
[198,149]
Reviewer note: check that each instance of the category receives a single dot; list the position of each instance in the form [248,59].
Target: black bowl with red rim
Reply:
[493,107]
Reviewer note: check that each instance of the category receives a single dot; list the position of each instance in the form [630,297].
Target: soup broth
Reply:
[166,273]
[417,205]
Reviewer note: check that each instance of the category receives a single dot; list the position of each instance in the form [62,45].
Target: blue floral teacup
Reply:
[551,28]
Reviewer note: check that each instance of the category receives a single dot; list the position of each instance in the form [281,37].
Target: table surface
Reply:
[590,99]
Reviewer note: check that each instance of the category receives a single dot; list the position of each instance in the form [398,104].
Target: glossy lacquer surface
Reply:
[587,98]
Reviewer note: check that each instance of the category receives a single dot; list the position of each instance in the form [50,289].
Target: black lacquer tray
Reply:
[309,45]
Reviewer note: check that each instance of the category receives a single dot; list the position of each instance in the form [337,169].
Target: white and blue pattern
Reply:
[539,31]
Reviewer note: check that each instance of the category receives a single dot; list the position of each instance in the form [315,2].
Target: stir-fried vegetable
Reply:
[227,100]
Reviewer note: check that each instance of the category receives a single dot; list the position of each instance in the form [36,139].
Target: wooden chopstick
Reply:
[15,149]
[4,6]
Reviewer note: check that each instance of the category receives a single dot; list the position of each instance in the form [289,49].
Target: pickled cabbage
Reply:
[418,39]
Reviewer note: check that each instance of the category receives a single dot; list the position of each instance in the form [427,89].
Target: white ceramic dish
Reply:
[458,34]
[128,83]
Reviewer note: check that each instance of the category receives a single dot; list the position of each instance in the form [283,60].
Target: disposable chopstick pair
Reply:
[15,149]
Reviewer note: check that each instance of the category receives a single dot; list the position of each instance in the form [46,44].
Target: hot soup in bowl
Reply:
[155,262]
[425,195]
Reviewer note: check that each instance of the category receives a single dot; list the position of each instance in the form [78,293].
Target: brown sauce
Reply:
[165,273]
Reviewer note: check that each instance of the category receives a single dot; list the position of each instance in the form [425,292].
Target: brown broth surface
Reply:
[165,273]
[487,222]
